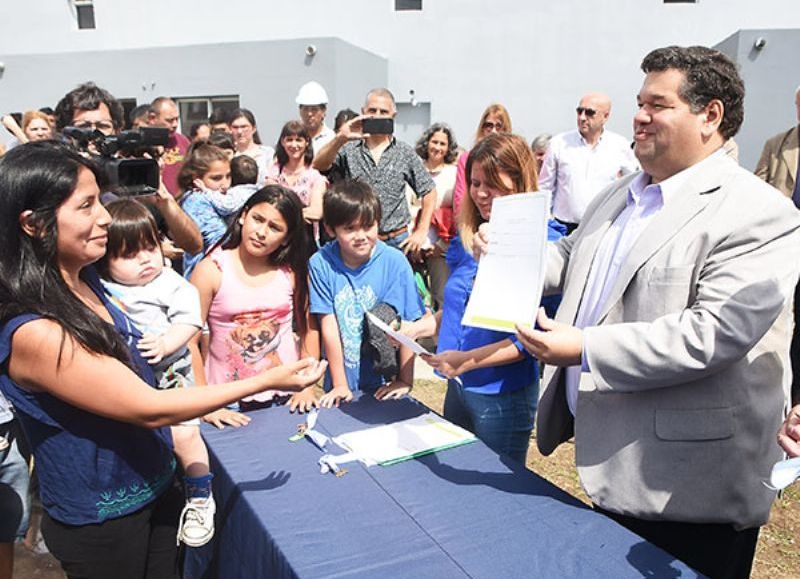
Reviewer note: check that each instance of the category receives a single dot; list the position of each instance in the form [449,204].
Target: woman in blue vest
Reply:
[81,390]
[493,383]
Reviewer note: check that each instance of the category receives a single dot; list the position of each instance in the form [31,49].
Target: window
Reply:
[401,5]
[198,109]
[84,11]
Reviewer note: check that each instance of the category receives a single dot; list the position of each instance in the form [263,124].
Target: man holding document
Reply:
[668,358]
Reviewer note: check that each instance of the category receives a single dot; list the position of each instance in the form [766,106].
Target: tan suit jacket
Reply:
[778,163]
[676,419]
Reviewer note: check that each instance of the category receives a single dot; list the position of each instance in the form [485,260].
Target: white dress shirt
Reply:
[574,171]
[644,202]
[325,136]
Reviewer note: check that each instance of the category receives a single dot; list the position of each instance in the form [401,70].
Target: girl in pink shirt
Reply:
[253,290]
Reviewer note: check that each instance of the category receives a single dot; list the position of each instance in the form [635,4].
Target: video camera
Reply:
[132,174]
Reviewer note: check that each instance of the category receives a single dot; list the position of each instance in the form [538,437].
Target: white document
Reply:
[405,340]
[784,473]
[403,440]
[508,287]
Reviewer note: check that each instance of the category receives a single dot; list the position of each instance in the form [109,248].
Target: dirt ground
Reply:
[777,554]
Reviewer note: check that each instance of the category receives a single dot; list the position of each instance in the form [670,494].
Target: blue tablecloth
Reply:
[461,513]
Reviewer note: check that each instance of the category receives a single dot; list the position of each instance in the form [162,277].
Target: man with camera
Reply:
[365,149]
[101,117]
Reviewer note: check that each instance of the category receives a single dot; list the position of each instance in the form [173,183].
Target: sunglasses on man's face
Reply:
[589,112]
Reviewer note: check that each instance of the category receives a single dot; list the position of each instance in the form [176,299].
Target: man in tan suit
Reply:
[778,164]
[667,359]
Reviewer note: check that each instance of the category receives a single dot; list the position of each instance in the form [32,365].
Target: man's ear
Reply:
[27,223]
[329,231]
[712,117]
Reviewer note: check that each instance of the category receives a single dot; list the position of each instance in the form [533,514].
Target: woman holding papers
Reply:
[493,383]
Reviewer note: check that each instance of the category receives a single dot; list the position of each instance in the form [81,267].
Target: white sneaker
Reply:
[196,526]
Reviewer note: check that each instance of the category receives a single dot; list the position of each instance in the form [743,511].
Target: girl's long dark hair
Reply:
[39,177]
[293,254]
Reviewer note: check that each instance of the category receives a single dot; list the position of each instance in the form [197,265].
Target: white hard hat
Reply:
[312,93]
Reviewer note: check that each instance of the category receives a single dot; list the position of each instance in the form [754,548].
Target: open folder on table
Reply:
[508,286]
[403,440]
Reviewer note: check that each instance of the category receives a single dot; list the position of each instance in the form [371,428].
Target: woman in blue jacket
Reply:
[493,383]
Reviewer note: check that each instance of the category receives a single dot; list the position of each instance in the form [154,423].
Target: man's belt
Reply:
[394,233]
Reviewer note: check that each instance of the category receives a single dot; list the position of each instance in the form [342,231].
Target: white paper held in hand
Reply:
[404,340]
[784,473]
[508,286]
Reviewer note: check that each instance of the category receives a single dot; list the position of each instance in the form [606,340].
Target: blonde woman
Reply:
[493,383]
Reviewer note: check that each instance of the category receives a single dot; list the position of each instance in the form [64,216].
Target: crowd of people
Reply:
[245,278]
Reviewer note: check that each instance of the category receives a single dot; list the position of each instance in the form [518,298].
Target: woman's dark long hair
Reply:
[293,254]
[293,129]
[250,117]
[39,177]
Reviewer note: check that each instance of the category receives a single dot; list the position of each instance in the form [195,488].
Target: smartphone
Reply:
[377,126]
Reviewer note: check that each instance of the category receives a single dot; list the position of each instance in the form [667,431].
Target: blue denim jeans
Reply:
[14,500]
[396,241]
[504,422]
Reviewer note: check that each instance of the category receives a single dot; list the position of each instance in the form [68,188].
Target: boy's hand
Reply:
[337,395]
[152,348]
[303,401]
[449,364]
[392,391]
[223,416]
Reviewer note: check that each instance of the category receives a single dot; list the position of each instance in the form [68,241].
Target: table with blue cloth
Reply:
[460,513]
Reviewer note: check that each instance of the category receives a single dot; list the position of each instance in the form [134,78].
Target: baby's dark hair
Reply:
[244,171]
[132,229]
[348,201]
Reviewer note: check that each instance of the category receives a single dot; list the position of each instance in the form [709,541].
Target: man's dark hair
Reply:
[195,128]
[88,97]
[342,117]
[219,116]
[348,201]
[709,75]
[137,113]
[222,140]
[244,170]
[47,110]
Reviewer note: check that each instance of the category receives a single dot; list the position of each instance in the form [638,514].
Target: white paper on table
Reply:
[404,440]
[405,340]
[508,286]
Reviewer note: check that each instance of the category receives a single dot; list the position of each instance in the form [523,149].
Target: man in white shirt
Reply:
[582,163]
[313,102]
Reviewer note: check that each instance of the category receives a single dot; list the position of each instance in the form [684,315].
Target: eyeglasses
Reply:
[490,126]
[589,112]
[102,126]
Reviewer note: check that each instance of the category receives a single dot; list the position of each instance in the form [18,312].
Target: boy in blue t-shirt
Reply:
[349,276]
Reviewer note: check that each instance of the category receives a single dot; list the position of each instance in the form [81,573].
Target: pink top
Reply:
[461,186]
[302,184]
[251,327]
